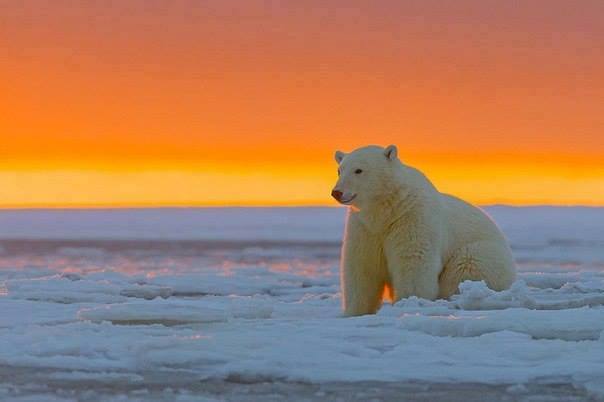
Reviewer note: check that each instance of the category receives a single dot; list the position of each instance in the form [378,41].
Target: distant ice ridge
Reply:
[531,227]
[283,224]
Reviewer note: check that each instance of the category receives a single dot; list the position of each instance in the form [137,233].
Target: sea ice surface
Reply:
[253,295]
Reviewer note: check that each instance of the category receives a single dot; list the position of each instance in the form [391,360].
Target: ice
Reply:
[248,308]
[477,296]
[570,324]
[155,312]
[81,251]
[179,312]
[22,313]
[549,280]
[256,224]
[71,288]
[38,398]
[252,295]
[97,376]
[260,280]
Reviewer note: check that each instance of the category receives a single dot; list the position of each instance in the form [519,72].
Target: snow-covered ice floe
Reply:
[269,308]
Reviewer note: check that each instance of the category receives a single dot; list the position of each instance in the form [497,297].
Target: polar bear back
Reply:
[467,223]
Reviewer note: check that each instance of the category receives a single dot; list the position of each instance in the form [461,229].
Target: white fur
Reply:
[404,236]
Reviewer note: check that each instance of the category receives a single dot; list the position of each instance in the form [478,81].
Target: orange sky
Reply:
[244,102]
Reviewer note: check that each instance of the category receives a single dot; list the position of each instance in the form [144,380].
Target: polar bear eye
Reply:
[358,171]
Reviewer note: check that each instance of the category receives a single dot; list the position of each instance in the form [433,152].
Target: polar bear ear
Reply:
[391,152]
[339,156]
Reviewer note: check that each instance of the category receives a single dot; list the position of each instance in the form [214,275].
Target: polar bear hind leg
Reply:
[486,260]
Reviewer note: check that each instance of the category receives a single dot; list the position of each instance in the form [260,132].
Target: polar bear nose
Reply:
[336,194]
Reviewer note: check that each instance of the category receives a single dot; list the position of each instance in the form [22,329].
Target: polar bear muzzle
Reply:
[343,197]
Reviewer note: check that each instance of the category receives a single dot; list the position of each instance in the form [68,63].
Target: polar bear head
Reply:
[364,174]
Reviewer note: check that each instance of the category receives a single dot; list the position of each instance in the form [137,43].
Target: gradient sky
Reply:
[119,103]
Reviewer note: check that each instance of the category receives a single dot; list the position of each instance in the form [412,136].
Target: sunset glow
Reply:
[186,103]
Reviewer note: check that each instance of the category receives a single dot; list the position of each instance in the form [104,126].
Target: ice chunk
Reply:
[179,312]
[73,288]
[154,312]
[571,324]
[476,295]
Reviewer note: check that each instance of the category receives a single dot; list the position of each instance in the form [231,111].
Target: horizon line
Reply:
[76,207]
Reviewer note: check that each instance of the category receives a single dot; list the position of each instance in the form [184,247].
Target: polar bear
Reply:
[404,238]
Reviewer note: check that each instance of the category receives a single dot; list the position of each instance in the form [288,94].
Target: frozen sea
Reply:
[243,304]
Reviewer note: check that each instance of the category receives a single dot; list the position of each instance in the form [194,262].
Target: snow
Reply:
[253,295]
[154,312]
[73,288]
[178,312]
